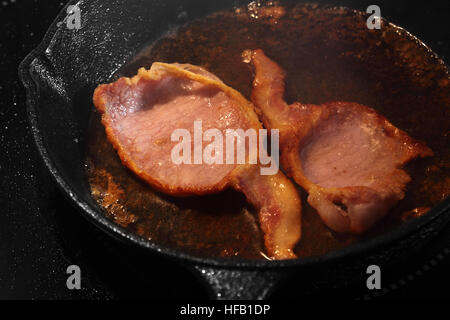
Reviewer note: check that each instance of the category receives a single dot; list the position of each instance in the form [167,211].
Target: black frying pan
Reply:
[60,76]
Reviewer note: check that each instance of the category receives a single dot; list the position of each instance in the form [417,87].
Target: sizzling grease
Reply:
[329,54]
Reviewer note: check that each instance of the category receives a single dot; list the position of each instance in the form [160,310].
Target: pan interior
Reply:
[329,54]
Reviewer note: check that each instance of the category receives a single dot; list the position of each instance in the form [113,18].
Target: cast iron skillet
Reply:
[61,74]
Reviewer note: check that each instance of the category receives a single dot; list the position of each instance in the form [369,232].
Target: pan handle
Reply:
[239,284]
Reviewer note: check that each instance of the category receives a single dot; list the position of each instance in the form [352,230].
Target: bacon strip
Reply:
[141,113]
[345,155]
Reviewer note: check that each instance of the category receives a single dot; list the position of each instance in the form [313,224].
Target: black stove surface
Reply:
[41,234]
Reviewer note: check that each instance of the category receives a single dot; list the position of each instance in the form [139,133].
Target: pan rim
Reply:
[108,226]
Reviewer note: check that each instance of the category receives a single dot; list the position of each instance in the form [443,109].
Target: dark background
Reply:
[41,234]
